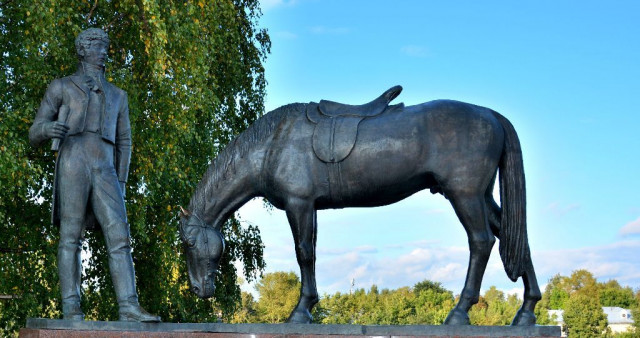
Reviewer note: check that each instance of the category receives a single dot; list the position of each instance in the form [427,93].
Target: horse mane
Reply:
[223,164]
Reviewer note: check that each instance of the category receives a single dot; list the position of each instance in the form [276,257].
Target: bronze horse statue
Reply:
[308,157]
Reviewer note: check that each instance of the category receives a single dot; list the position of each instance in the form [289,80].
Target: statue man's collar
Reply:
[90,70]
[90,76]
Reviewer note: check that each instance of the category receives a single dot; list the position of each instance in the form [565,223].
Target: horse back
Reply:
[438,143]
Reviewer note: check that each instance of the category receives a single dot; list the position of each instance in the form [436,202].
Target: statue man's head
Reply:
[92,45]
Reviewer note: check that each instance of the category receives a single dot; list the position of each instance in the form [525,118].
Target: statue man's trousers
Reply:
[87,180]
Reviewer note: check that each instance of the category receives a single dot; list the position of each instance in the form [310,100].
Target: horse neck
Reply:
[219,196]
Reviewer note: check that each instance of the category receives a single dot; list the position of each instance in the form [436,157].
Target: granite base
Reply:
[50,328]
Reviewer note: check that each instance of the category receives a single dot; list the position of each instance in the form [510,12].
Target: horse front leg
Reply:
[472,214]
[303,221]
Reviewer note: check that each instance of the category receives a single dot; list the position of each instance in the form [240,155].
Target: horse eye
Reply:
[191,242]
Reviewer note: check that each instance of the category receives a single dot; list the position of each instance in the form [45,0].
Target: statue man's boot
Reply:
[123,274]
[70,268]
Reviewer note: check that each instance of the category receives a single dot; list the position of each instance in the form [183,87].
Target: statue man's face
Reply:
[95,53]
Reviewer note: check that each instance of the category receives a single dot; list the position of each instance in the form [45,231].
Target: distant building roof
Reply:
[617,315]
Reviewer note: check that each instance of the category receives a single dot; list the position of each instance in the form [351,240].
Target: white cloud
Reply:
[515,291]
[560,210]
[321,30]
[365,249]
[448,265]
[415,51]
[445,265]
[285,35]
[613,261]
[630,228]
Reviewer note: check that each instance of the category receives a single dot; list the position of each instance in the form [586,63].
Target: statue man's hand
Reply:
[122,188]
[55,129]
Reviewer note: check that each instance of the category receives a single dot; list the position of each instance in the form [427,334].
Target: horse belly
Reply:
[385,166]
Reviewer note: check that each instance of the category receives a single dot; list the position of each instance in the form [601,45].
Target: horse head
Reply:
[203,246]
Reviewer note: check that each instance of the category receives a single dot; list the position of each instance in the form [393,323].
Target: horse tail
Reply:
[514,246]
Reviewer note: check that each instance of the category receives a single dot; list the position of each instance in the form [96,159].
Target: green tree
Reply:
[429,285]
[433,306]
[395,307]
[558,298]
[247,312]
[583,316]
[194,77]
[612,294]
[582,281]
[635,314]
[561,288]
[494,308]
[279,293]
[545,304]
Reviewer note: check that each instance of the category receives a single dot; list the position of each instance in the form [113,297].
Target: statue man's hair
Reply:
[85,37]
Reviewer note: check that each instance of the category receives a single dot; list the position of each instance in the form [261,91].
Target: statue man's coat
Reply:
[72,92]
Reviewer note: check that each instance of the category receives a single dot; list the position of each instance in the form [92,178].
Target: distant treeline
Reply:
[580,295]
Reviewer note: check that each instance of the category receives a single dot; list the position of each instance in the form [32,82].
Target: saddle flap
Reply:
[333,138]
[375,107]
[313,114]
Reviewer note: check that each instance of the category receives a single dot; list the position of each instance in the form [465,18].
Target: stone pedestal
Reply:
[51,328]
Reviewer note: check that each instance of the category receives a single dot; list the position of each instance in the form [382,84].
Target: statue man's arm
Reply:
[45,126]
[123,141]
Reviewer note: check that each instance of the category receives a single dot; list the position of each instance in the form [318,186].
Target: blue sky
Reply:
[566,73]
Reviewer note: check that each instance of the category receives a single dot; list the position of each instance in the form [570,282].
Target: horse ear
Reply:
[184,212]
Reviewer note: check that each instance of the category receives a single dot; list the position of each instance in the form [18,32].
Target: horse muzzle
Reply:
[204,290]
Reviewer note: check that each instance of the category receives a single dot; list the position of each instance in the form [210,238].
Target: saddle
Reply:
[337,124]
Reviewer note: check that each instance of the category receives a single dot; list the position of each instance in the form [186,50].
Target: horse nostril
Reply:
[196,290]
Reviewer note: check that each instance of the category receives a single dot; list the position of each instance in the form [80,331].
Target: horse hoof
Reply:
[524,318]
[457,317]
[300,317]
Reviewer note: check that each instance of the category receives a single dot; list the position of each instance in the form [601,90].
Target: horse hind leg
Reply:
[471,211]
[493,209]
[532,295]
[302,218]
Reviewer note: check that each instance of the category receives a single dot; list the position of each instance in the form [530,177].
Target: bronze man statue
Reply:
[88,119]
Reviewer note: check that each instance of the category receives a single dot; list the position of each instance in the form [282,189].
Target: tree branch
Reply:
[106,28]
[2,297]
[95,4]
[10,250]
[5,3]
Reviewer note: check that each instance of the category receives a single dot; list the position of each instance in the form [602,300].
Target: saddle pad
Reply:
[334,138]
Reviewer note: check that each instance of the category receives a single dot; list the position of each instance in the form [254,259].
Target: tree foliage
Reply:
[612,294]
[584,317]
[247,312]
[428,303]
[494,308]
[194,77]
[425,303]
[635,314]
[279,293]
[563,293]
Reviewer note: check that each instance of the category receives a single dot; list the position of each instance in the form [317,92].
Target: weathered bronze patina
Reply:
[306,157]
[88,119]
